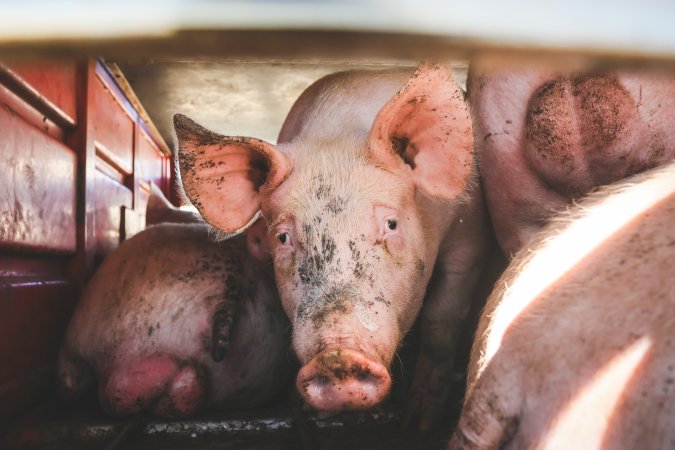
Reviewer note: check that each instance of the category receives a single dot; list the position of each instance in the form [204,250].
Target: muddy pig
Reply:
[160,210]
[544,139]
[370,189]
[175,323]
[576,347]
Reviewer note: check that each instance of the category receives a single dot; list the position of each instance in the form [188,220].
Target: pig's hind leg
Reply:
[75,375]
[490,416]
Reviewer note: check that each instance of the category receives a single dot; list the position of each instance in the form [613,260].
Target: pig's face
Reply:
[349,255]
[355,217]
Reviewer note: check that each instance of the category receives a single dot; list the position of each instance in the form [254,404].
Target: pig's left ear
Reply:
[427,126]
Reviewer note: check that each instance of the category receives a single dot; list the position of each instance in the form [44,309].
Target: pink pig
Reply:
[544,139]
[369,191]
[175,323]
[576,347]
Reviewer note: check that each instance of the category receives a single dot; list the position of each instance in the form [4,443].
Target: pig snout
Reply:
[343,379]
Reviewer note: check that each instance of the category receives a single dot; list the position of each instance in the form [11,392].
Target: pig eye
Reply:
[284,238]
[392,224]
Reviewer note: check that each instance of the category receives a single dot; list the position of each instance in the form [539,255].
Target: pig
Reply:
[174,323]
[160,210]
[576,345]
[544,139]
[369,190]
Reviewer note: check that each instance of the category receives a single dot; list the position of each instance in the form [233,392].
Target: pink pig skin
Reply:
[576,347]
[544,139]
[369,191]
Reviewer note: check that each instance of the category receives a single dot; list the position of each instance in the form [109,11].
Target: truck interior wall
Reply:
[78,162]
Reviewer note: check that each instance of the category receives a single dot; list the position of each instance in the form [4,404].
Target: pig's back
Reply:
[341,104]
[606,372]
[580,346]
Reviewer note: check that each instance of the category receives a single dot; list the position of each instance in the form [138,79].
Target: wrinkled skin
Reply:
[370,190]
[544,139]
[175,323]
[576,348]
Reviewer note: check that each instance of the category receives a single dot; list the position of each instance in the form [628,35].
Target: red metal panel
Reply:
[109,197]
[33,315]
[36,300]
[151,161]
[54,81]
[37,188]
[18,106]
[42,107]
[112,128]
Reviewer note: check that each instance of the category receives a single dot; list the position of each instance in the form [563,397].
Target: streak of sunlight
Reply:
[564,250]
[584,421]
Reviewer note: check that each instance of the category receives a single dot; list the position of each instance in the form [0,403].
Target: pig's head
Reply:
[354,222]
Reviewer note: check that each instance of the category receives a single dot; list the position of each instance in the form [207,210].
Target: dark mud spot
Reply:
[327,248]
[336,205]
[603,106]
[359,272]
[549,124]
[380,298]
[355,252]
[420,266]
[337,300]
[311,270]
[224,322]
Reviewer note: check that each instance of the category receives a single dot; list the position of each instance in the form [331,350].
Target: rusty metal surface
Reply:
[37,188]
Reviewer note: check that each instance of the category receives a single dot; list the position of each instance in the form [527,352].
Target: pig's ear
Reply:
[222,176]
[256,241]
[427,126]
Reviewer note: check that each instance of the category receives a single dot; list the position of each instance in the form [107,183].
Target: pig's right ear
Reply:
[427,126]
[223,176]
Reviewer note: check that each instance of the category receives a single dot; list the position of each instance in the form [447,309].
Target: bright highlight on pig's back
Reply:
[575,235]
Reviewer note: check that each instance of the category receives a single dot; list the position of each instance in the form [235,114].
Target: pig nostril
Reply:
[365,376]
